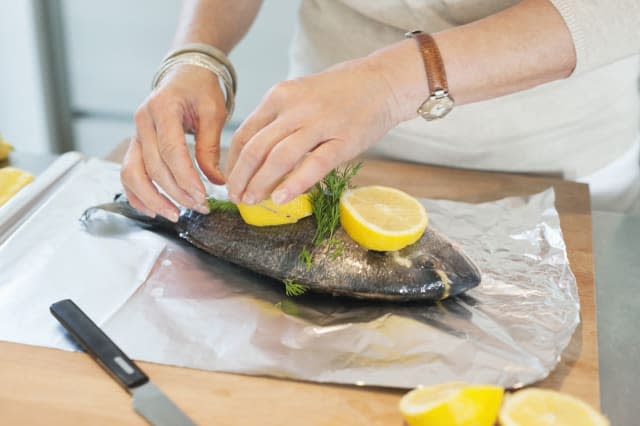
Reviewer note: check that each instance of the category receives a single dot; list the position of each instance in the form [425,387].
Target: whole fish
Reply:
[431,269]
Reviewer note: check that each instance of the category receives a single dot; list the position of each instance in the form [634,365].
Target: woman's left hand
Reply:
[332,116]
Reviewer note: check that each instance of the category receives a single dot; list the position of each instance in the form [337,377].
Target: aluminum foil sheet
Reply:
[171,303]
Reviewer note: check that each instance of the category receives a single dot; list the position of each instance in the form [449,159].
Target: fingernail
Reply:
[233,198]
[279,196]
[149,213]
[171,215]
[201,208]
[145,211]
[248,199]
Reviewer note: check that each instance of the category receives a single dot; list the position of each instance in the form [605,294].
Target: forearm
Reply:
[220,23]
[516,49]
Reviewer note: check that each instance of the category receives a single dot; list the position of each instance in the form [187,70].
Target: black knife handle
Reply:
[97,344]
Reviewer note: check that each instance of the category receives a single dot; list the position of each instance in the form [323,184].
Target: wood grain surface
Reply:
[49,386]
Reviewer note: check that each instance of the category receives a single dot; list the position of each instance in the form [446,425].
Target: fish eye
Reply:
[428,262]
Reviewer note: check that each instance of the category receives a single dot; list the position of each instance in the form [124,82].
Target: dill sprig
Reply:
[305,258]
[325,204]
[221,205]
[325,200]
[292,288]
[337,246]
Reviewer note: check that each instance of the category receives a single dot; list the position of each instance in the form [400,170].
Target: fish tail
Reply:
[121,206]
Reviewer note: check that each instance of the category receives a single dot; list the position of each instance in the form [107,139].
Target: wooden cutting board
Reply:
[48,386]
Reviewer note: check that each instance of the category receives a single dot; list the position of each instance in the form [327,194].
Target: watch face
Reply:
[435,107]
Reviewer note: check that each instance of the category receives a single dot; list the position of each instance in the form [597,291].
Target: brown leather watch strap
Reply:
[433,65]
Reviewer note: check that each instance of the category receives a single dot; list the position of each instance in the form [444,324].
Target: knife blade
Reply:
[148,399]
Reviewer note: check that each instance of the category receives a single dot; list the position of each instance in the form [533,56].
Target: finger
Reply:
[173,151]
[136,181]
[251,157]
[312,169]
[258,120]
[281,160]
[158,171]
[137,204]
[210,122]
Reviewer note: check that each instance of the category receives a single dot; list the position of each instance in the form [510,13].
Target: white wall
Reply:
[113,48]
[24,119]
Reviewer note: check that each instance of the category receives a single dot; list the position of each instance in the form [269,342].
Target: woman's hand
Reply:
[189,98]
[304,128]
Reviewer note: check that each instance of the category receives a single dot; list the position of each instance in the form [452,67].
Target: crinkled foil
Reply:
[189,309]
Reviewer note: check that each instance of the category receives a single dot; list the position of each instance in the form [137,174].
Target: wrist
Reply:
[206,57]
[401,66]
[187,75]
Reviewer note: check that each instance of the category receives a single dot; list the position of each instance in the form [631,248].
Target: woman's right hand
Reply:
[189,98]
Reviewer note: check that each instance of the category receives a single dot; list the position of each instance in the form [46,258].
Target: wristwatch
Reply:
[439,103]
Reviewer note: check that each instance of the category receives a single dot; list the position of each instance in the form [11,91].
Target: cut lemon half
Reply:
[382,218]
[268,213]
[452,404]
[543,407]
[12,180]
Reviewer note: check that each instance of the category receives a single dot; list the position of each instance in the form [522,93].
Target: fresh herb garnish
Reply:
[325,200]
[305,258]
[292,288]
[221,205]
[325,204]
[337,246]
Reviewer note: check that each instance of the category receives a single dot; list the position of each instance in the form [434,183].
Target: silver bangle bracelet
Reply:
[225,72]
[211,51]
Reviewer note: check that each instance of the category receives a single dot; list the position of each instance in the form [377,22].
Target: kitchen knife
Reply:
[148,400]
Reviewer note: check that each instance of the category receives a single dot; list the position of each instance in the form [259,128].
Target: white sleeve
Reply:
[603,31]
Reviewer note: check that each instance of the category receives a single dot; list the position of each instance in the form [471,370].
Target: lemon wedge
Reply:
[382,218]
[268,213]
[542,407]
[12,180]
[452,404]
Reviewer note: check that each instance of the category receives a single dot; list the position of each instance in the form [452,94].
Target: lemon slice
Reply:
[382,218]
[542,407]
[452,404]
[268,213]
[12,180]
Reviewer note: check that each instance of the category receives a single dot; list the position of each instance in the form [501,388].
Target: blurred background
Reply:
[73,72]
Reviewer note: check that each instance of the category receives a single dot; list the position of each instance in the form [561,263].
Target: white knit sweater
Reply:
[569,127]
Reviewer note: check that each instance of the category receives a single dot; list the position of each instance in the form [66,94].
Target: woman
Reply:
[537,86]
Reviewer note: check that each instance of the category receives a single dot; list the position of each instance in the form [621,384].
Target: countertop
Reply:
[616,243]
[50,386]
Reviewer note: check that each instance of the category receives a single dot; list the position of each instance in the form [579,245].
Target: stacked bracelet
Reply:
[205,56]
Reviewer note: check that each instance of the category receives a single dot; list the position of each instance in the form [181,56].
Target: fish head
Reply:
[448,269]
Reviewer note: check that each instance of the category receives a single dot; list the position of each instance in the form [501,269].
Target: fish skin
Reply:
[431,269]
